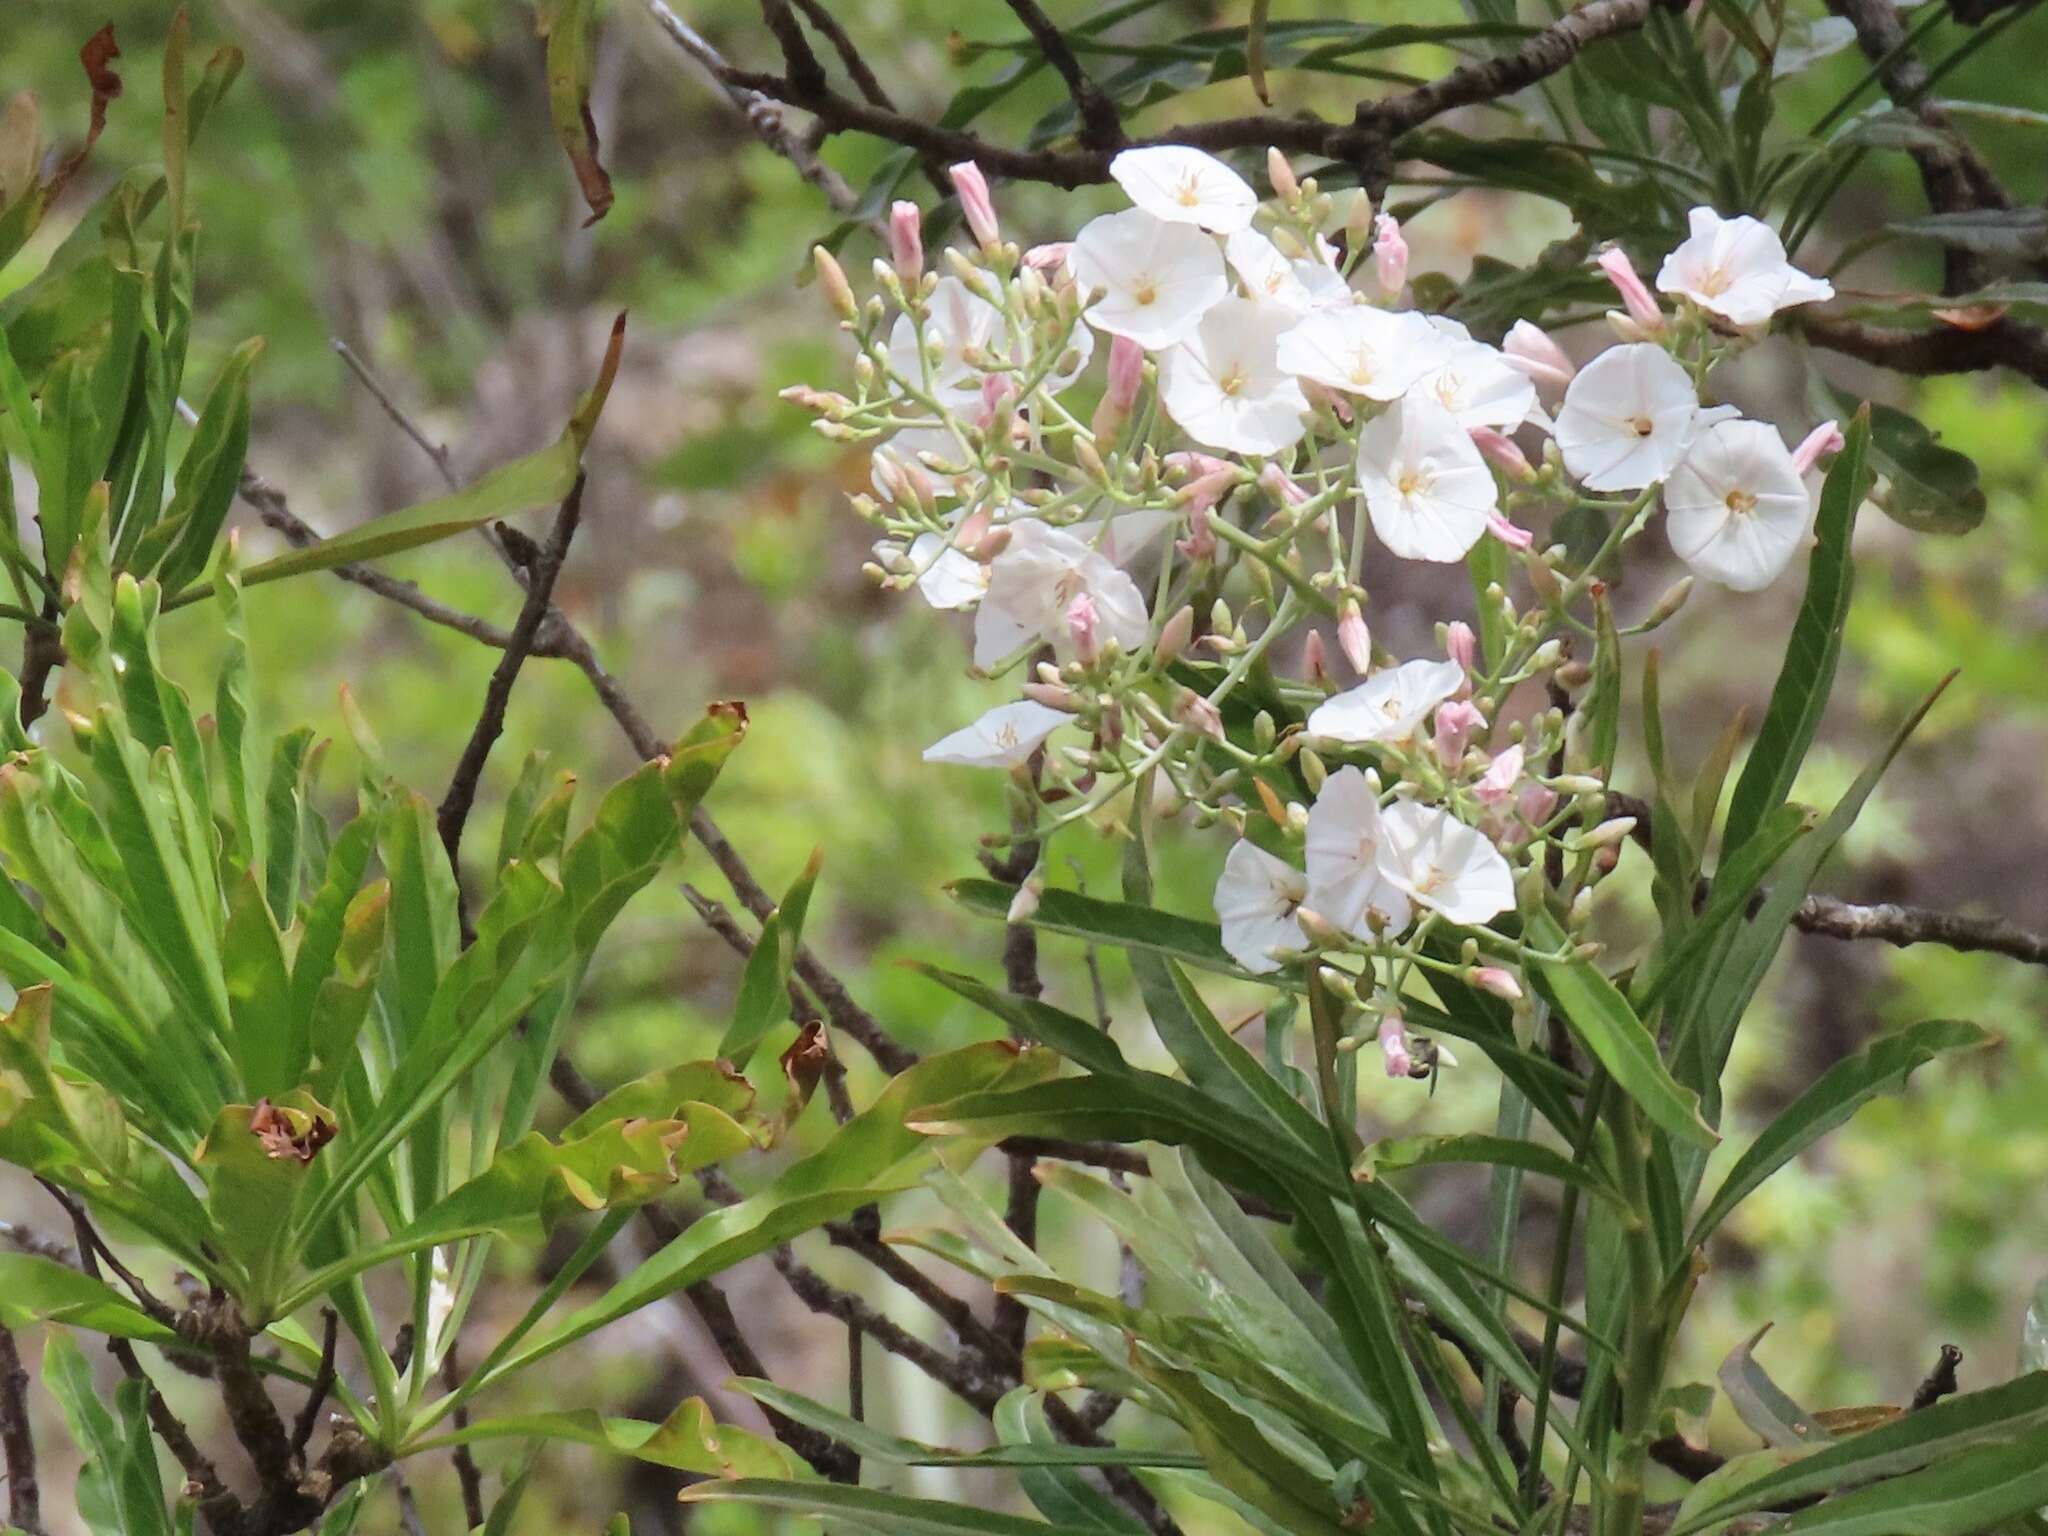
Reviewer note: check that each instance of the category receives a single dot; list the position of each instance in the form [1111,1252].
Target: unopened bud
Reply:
[1389,253]
[1312,770]
[1174,636]
[975,203]
[1358,219]
[1641,303]
[1322,933]
[1491,978]
[1573,674]
[1053,696]
[832,279]
[1529,349]
[906,241]
[1024,905]
[1281,175]
[1354,639]
[1669,604]
[1608,833]
[1198,714]
[1313,666]
[1576,784]
[1548,654]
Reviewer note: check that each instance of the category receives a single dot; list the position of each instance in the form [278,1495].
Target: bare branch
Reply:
[490,723]
[856,67]
[1101,127]
[2005,343]
[18,1442]
[323,1382]
[1941,1381]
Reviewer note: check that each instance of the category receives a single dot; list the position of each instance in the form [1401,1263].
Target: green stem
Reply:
[1644,1347]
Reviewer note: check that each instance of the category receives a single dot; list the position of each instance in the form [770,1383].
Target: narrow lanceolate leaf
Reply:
[1808,675]
[39,1290]
[1881,1067]
[1956,1498]
[689,1440]
[2015,1412]
[764,998]
[567,25]
[1762,1404]
[1601,1017]
[1119,924]
[1498,1151]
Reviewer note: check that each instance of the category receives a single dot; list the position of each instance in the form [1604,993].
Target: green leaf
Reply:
[1928,488]
[1762,1404]
[2017,232]
[567,26]
[1808,675]
[874,1153]
[764,997]
[1120,924]
[208,477]
[1603,1020]
[872,1509]
[38,1290]
[1395,1155]
[2015,1413]
[1958,1498]
[537,480]
[689,1440]
[120,1490]
[1880,1067]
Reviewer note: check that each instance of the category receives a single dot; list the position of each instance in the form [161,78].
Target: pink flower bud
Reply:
[1281,175]
[1394,1046]
[996,391]
[1354,639]
[1318,397]
[1502,453]
[1202,493]
[1050,258]
[1084,628]
[832,279]
[1529,348]
[1191,463]
[1508,533]
[1313,664]
[1389,253]
[1491,978]
[1274,481]
[1535,803]
[1641,305]
[1460,644]
[906,241]
[1200,544]
[1197,713]
[1456,720]
[1500,777]
[975,203]
[1126,371]
[1823,440]
[974,528]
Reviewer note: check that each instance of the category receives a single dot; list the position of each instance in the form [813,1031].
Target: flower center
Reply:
[1145,290]
[1715,283]
[1642,426]
[1361,367]
[1432,878]
[1741,502]
[1189,193]
[1007,736]
[1232,380]
[1413,481]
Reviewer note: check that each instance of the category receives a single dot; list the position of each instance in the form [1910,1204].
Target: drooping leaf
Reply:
[1762,1404]
[567,25]
[689,1440]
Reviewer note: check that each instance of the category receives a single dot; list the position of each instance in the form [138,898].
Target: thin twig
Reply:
[323,1383]
[18,1442]
[1101,126]
[1941,1381]
[856,67]
[490,722]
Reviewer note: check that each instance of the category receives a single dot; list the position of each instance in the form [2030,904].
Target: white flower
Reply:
[1737,508]
[1425,483]
[1389,705]
[1121,539]
[1361,350]
[959,321]
[947,577]
[1033,583]
[1299,287]
[1477,386]
[1158,279]
[1002,738]
[1345,883]
[1737,268]
[1224,385]
[1257,898]
[1185,186]
[1444,865]
[1627,418]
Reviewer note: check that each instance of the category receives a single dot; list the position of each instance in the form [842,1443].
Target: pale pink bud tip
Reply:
[1389,253]
[1460,644]
[1049,258]
[1126,371]
[1394,1046]
[1818,444]
[1198,714]
[975,203]
[906,241]
[1354,639]
[1642,307]
[1529,348]
[1281,175]
[1456,720]
[1499,780]
[1084,626]
[1274,481]
[1313,665]
[1491,978]
[1502,453]
[1508,533]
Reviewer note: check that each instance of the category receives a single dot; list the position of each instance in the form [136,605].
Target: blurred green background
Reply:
[386,175]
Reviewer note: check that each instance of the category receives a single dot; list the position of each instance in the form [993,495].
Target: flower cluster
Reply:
[1273,421]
